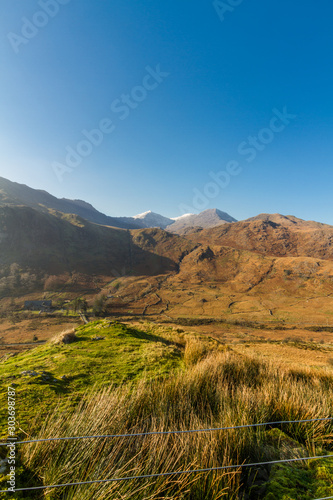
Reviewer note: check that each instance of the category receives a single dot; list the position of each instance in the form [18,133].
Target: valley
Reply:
[111,328]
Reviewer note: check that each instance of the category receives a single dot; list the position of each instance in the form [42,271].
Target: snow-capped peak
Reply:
[143,215]
[151,219]
[181,216]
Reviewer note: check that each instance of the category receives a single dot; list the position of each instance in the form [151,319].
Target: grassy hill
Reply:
[154,378]
[103,354]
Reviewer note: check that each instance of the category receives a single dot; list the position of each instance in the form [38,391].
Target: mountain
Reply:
[275,235]
[272,267]
[269,265]
[256,270]
[206,219]
[33,243]
[151,219]
[15,194]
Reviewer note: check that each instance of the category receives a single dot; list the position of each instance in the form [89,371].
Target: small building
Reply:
[38,305]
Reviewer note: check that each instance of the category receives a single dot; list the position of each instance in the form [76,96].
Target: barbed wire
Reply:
[163,474]
[154,433]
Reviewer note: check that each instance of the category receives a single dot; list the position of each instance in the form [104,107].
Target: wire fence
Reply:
[171,473]
[154,433]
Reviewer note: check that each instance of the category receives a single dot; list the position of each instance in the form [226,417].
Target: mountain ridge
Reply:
[16,194]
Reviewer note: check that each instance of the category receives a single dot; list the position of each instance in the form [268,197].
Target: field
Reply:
[133,375]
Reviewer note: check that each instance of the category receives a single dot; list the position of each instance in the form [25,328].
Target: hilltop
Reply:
[275,234]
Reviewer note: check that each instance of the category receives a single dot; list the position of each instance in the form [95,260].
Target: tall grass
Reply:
[222,389]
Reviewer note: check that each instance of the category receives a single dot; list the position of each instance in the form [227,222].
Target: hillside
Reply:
[123,354]
[274,235]
[115,379]
[251,270]
[15,194]
[44,244]
[191,320]
[270,265]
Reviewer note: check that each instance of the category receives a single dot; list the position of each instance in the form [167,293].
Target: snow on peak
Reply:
[181,216]
[152,219]
[143,215]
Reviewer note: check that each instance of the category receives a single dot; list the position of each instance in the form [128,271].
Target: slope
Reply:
[15,194]
[56,243]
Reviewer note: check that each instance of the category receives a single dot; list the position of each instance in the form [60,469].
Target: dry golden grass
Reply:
[221,389]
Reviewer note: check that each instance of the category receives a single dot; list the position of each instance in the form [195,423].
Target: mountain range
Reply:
[15,194]
[211,265]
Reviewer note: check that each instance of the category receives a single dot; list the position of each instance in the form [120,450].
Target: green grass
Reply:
[125,354]
[220,389]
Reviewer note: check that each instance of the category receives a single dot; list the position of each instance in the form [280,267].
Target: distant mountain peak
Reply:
[143,215]
[15,194]
[152,219]
[208,218]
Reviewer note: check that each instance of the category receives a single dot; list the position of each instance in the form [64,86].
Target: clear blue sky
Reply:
[226,74]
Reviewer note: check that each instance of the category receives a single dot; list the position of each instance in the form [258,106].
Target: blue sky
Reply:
[78,65]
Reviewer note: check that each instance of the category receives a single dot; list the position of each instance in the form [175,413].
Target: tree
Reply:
[16,275]
[99,308]
[80,305]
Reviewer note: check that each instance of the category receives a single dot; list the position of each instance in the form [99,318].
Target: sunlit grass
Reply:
[202,385]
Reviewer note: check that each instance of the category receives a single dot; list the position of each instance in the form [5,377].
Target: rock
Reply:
[98,338]
[29,373]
